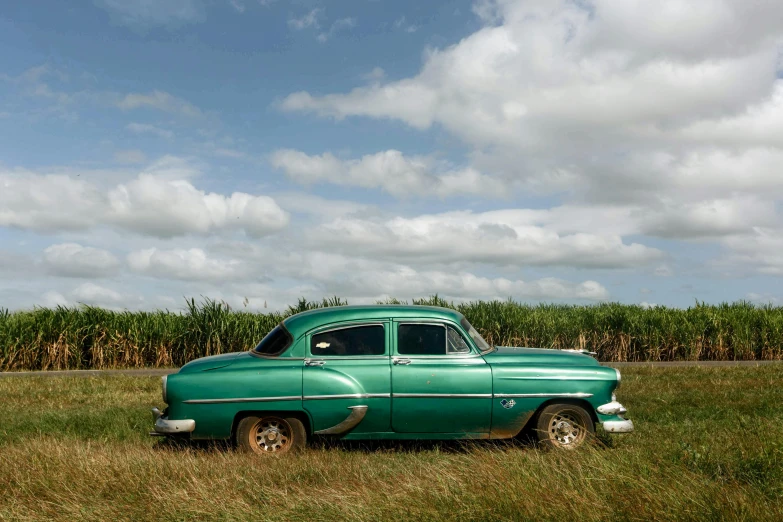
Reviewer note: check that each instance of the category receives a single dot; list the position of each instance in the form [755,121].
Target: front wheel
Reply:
[564,426]
[268,435]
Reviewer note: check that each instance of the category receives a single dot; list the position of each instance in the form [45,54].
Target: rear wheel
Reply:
[270,434]
[565,426]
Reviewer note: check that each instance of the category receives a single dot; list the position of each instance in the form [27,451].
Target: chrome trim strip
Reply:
[344,357]
[244,399]
[351,421]
[347,396]
[442,395]
[531,395]
[438,357]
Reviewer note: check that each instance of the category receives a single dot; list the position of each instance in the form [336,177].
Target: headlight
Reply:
[619,377]
[164,380]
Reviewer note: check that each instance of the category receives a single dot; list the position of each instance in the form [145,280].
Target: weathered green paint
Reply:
[447,385]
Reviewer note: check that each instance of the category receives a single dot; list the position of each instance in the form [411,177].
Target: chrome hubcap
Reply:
[565,429]
[273,435]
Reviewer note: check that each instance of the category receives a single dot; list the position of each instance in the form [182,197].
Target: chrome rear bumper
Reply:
[164,426]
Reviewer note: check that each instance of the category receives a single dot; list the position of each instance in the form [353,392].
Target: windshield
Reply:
[483,345]
[275,342]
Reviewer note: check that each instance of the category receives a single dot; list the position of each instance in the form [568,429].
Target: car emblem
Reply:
[508,404]
[323,345]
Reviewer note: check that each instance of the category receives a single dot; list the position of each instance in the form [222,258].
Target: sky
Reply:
[259,151]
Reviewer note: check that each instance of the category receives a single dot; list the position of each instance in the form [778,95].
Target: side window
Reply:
[421,339]
[456,343]
[429,339]
[357,340]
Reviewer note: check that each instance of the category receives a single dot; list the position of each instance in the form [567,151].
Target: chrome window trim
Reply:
[442,395]
[344,326]
[438,357]
[579,395]
[245,399]
[347,396]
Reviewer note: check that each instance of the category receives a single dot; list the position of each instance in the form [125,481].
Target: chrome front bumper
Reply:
[621,426]
[615,426]
[164,426]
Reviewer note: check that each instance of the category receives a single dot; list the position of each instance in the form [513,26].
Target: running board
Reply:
[354,418]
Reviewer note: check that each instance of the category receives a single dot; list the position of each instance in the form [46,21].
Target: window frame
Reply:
[445,324]
[345,326]
[289,338]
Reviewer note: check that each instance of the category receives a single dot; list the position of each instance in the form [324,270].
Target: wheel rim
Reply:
[272,435]
[565,429]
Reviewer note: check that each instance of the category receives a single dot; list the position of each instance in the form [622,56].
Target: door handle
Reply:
[403,362]
[314,363]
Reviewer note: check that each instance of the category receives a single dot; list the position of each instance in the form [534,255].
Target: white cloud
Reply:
[142,128]
[505,238]
[163,208]
[338,25]
[159,201]
[405,281]
[47,203]
[559,84]
[159,100]
[762,299]
[761,251]
[308,20]
[191,265]
[675,118]
[53,299]
[706,219]
[389,170]
[402,24]
[74,260]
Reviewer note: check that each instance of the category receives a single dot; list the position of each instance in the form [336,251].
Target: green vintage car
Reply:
[388,372]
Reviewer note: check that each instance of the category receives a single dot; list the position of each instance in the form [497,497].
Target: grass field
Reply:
[708,446]
[88,337]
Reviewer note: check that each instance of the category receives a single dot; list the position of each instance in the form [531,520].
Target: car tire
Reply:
[270,434]
[564,426]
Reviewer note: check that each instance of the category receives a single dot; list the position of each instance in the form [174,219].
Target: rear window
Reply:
[275,342]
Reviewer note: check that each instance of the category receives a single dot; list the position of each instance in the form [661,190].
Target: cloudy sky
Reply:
[257,151]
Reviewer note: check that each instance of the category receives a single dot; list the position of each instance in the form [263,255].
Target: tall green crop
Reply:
[90,337]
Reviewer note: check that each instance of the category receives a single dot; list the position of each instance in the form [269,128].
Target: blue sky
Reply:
[257,151]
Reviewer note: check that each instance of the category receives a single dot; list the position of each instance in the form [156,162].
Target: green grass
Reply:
[708,446]
[88,337]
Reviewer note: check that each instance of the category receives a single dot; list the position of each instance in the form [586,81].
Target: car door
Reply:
[346,372]
[440,383]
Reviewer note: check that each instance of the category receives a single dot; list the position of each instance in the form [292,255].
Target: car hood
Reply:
[538,356]
[212,362]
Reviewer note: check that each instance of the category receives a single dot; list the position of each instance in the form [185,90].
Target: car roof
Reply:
[303,322]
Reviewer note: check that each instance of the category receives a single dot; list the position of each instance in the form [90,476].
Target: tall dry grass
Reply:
[89,337]
[707,446]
